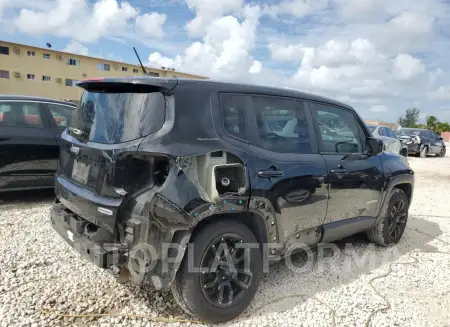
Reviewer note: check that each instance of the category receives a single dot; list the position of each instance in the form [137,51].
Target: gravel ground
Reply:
[352,285]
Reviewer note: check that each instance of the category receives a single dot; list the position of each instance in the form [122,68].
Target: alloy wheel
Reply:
[397,218]
[225,277]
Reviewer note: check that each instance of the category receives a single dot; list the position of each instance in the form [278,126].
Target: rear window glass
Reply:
[111,118]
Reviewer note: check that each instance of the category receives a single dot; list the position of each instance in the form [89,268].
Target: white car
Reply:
[390,141]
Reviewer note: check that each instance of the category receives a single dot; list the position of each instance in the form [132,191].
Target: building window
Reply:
[135,70]
[31,53]
[106,67]
[4,74]
[71,82]
[153,74]
[4,50]
[46,78]
[31,76]
[124,69]
[46,56]
[73,62]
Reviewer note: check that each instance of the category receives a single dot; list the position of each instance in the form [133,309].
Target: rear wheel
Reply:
[442,152]
[391,226]
[219,275]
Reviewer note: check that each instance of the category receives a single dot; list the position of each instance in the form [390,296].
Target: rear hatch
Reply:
[98,164]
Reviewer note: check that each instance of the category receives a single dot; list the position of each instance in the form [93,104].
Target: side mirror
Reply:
[440,138]
[374,146]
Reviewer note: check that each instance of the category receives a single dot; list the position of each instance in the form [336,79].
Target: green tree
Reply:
[442,127]
[410,118]
[431,122]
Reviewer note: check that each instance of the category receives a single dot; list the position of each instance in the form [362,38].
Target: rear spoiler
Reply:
[141,84]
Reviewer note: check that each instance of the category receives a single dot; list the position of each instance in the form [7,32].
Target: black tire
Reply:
[424,152]
[442,152]
[187,288]
[381,233]
[404,152]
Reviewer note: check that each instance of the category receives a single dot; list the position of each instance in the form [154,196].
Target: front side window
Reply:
[344,133]
[390,133]
[282,125]
[233,115]
[20,114]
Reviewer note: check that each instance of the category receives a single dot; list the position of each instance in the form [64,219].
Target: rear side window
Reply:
[282,125]
[20,114]
[340,131]
[233,115]
[111,118]
[62,115]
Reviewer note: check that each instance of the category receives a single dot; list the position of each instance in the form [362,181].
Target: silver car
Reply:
[390,140]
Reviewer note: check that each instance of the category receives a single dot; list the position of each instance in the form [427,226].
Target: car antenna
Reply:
[143,68]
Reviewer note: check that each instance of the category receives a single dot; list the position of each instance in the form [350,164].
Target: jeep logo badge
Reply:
[74,149]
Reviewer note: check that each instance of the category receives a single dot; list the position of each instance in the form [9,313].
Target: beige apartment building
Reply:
[33,71]
[392,126]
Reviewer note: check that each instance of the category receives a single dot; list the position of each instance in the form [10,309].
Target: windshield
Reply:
[408,132]
[117,117]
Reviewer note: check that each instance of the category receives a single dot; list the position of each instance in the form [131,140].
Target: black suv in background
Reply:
[30,129]
[422,141]
[194,185]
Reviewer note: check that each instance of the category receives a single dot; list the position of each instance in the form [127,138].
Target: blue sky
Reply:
[377,55]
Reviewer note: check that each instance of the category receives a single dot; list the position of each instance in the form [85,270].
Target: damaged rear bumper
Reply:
[74,231]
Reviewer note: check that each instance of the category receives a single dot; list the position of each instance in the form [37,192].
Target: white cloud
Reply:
[378,108]
[441,93]
[225,50]
[151,24]
[406,67]
[290,52]
[78,48]
[87,23]
[256,67]
[297,8]
[207,11]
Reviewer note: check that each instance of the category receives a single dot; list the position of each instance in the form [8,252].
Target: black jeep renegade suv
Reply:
[195,184]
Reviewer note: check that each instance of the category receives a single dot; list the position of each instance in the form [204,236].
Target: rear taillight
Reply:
[141,171]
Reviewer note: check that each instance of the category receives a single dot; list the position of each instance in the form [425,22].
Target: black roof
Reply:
[168,84]
[14,97]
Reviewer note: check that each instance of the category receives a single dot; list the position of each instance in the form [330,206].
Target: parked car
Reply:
[30,128]
[390,140]
[422,142]
[155,183]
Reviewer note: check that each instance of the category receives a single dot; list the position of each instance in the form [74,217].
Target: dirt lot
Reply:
[360,285]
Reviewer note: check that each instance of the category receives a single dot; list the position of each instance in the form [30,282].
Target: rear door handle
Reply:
[270,173]
[339,171]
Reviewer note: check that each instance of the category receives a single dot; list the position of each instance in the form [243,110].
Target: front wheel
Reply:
[442,152]
[220,272]
[390,228]
[404,152]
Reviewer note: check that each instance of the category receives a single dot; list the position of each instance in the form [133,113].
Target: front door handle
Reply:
[270,173]
[339,171]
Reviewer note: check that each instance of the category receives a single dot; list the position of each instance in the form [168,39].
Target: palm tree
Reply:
[431,122]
